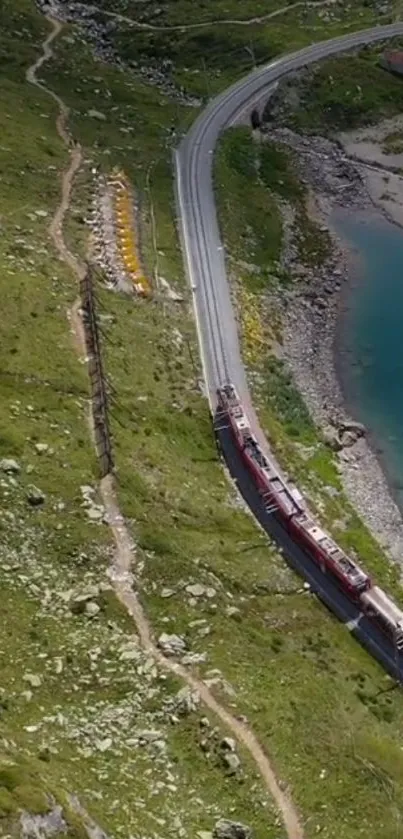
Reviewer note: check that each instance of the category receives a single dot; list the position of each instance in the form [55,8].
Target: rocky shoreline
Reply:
[312,314]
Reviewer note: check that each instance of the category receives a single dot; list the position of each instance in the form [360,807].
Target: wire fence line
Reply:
[98,381]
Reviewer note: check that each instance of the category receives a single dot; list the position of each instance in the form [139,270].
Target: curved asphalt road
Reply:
[215,317]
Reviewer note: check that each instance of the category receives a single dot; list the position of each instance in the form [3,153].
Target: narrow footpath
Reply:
[121,570]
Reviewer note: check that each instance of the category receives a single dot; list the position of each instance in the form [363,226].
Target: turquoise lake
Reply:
[370,340]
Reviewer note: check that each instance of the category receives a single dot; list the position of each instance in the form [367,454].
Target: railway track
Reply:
[215,318]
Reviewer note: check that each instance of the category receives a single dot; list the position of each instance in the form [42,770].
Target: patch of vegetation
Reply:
[309,646]
[286,403]
[207,48]
[252,226]
[250,219]
[340,93]
[70,701]
[393,143]
[290,689]
[278,648]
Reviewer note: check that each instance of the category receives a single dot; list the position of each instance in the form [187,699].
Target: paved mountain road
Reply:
[215,316]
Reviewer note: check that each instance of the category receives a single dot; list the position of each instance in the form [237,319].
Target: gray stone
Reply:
[96,114]
[225,829]
[130,655]
[195,590]
[231,762]
[228,744]
[35,496]
[91,608]
[187,701]
[34,680]
[194,658]
[232,611]
[95,513]
[331,438]
[104,745]
[171,644]
[9,466]
[43,826]
[145,737]
[41,448]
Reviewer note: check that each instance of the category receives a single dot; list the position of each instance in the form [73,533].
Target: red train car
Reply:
[329,556]
[273,489]
[288,503]
[229,403]
[382,611]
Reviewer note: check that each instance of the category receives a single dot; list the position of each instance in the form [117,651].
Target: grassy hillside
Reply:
[208,45]
[77,690]
[338,741]
[339,94]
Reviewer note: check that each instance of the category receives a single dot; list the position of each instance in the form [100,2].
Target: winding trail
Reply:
[120,571]
[180,27]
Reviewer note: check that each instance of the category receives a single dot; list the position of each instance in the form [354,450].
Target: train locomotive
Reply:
[287,505]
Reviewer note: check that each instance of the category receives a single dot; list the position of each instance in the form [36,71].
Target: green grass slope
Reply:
[74,701]
[340,94]
[335,728]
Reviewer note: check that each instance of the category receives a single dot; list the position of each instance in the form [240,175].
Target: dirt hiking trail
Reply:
[120,571]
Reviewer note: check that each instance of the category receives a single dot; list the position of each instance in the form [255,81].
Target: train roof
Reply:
[384,605]
[344,563]
[285,495]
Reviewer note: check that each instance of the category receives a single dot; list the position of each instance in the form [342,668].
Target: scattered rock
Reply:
[92,608]
[167,592]
[331,438]
[146,737]
[231,761]
[33,679]
[130,652]
[95,513]
[96,114]
[194,658]
[228,744]
[232,611]
[35,496]
[195,590]
[225,829]
[41,448]
[9,466]
[172,644]
[104,745]
[40,827]
[186,701]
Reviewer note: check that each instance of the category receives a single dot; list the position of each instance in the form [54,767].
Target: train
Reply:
[287,504]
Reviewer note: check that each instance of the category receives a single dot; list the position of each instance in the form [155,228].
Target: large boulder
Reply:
[171,644]
[225,829]
[9,466]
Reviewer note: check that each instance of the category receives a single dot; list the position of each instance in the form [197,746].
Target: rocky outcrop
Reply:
[9,466]
[343,435]
[225,829]
[51,824]
[172,644]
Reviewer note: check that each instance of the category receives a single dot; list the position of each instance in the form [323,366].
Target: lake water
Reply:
[371,337]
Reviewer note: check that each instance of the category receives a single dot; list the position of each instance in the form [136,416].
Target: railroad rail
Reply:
[215,319]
